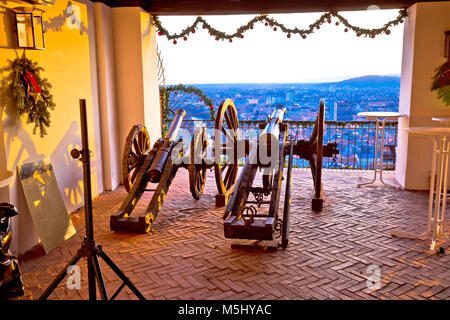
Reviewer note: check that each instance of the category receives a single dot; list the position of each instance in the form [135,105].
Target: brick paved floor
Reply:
[187,257]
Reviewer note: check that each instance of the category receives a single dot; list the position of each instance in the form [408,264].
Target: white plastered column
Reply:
[136,72]
[128,86]
[107,96]
[423,52]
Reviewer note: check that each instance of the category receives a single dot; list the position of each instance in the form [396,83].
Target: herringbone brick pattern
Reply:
[187,257]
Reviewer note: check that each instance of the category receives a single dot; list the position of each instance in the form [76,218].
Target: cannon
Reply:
[142,165]
[159,165]
[241,217]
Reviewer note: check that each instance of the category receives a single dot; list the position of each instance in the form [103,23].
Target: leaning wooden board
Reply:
[46,206]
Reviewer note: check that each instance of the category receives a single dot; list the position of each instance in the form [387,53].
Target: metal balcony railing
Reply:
[355,139]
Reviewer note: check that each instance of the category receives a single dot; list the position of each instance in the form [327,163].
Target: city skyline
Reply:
[343,100]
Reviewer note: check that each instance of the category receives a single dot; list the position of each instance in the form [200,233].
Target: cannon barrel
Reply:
[176,124]
[163,153]
[272,130]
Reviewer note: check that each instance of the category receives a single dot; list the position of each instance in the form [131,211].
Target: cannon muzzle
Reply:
[163,153]
[176,124]
[271,132]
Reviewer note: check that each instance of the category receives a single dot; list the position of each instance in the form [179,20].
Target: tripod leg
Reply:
[59,278]
[99,276]
[121,275]
[91,280]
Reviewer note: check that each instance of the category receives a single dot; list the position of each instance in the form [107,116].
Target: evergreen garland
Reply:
[444,94]
[165,113]
[36,110]
[272,23]
[441,82]
[167,108]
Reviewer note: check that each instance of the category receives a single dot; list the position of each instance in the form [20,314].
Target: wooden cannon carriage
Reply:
[159,165]
[241,218]
[141,166]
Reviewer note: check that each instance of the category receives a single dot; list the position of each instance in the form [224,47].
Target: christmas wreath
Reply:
[441,82]
[31,93]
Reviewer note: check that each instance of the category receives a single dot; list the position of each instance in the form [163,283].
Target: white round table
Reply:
[380,118]
[439,169]
[444,120]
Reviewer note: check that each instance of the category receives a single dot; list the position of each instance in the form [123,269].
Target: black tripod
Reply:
[88,248]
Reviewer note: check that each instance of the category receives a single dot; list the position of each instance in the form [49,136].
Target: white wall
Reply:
[69,62]
[107,56]
[423,52]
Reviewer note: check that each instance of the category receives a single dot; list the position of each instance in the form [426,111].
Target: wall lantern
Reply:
[30,29]
[447,44]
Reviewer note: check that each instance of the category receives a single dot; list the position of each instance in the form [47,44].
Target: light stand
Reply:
[88,248]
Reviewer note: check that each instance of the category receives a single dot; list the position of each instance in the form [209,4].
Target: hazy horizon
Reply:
[266,56]
[317,82]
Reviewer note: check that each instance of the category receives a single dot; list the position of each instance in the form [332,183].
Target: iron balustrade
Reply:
[355,139]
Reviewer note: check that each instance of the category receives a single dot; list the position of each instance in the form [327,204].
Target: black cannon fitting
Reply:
[163,153]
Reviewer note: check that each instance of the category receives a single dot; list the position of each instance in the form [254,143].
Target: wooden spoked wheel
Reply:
[226,135]
[196,168]
[319,153]
[136,149]
[316,141]
[287,201]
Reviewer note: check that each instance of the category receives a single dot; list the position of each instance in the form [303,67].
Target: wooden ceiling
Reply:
[210,7]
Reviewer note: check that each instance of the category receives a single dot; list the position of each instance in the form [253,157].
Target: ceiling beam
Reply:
[216,7]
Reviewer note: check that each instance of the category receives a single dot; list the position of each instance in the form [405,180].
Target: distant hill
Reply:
[359,82]
[370,82]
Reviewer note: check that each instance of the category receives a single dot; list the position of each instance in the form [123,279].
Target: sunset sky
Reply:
[265,55]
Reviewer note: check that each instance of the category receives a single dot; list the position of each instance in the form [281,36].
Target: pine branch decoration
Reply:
[164,94]
[37,110]
[165,113]
[441,82]
[275,25]
[444,94]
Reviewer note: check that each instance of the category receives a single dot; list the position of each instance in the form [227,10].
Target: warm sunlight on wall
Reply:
[69,63]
